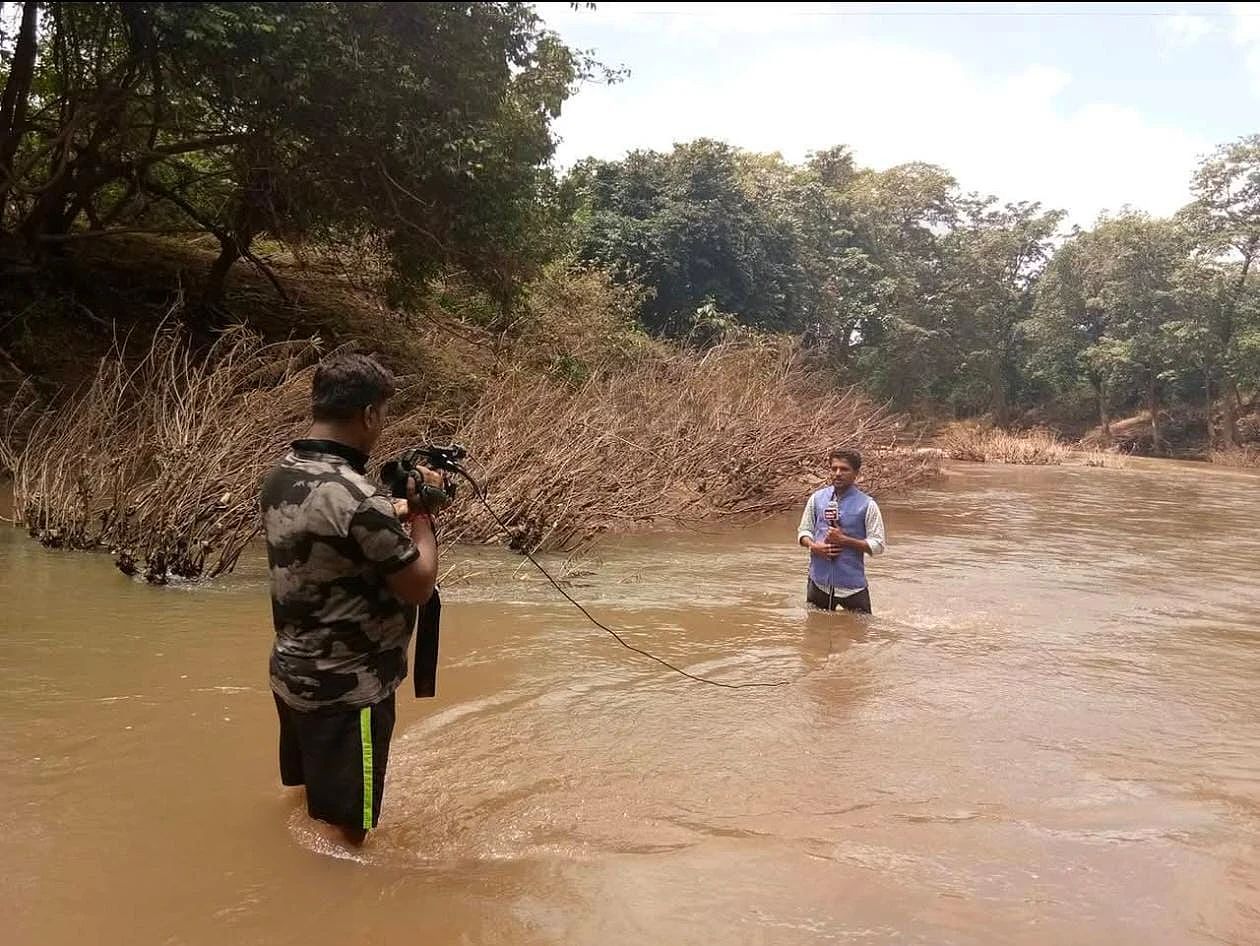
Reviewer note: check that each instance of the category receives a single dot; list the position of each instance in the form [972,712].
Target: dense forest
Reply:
[941,299]
[419,136]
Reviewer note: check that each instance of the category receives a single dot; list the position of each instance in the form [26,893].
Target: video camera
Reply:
[444,460]
[395,474]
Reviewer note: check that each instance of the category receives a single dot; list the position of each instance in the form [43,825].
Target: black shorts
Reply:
[340,756]
[859,602]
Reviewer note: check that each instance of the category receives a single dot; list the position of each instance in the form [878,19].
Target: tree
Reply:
[425,123]
[1225,222]
[703,224]
[1205,295]
[1069,326]
[994,256]
[902,214]
[16,98]
[1138,289]
[1107,306]
[847,289]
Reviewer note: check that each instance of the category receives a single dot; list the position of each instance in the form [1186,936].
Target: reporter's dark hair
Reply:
[851,457]
[347,383]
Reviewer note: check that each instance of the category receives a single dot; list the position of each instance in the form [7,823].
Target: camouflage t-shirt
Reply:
[332,537]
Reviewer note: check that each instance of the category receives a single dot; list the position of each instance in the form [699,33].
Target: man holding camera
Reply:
[841,525]
[349,567]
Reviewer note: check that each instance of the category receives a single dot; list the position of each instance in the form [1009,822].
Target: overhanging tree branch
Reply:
[224,236]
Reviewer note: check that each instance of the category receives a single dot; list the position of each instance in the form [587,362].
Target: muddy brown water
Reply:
[1048,733]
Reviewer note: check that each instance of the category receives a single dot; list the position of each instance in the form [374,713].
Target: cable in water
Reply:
[481,497]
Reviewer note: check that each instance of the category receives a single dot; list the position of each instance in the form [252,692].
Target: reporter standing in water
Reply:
[841,525]
[346,579]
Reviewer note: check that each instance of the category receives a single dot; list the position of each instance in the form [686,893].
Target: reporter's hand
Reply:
[835,536]
[827,551]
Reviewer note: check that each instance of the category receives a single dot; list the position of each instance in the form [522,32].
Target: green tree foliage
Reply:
[425,124]
[710,228]
[425,128]
[1224,224]
[993,259]
[1107,309]
[931,296]
[1069,326]
[699,225]
[901,214]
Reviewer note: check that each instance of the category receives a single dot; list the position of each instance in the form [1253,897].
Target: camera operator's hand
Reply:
[416,502]
[429,497]
[431,478]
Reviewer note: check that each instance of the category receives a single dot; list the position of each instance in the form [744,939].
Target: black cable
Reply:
[481,496]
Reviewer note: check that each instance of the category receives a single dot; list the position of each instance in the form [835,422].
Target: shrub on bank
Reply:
[158,457]
[1241,457]
[978,443]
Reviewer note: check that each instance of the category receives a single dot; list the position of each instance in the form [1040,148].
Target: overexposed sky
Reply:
[1085,107]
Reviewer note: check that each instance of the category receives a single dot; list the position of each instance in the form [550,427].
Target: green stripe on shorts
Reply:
[365,737]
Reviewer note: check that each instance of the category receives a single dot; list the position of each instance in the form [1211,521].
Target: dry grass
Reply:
[980,444]
[1110,459]
[158,460]
[1241,457]
[1037,447]
[688,437]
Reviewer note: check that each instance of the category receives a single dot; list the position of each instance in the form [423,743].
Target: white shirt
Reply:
[875,537]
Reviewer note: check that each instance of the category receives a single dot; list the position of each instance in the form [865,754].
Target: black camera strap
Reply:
[427,619]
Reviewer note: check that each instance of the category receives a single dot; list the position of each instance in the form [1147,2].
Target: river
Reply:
[1048,733]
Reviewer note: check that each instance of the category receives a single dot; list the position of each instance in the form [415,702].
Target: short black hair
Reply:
[851,457]
[346,383]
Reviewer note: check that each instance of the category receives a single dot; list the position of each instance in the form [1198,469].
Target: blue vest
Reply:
[848,569]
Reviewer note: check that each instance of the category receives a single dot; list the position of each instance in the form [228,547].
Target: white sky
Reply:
[1028,101]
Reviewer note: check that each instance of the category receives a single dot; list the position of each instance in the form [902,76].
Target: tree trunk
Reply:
[1152,405]
[1104,416]
[1208,405]
[233,244]
[1229,417]
[48,209]
[846,344]
[1000,411]
[204,317]
[216,280]
[232,247]
[17,90]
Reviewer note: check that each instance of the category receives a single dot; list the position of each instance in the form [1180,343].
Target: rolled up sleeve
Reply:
[806,529]
[875,538]
[381,537]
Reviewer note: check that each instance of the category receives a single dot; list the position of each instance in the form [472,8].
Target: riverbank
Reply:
[576,421]
[1042,437]
[979,443]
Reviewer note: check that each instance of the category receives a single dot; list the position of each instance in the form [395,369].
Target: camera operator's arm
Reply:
[414,583]
[408,563]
